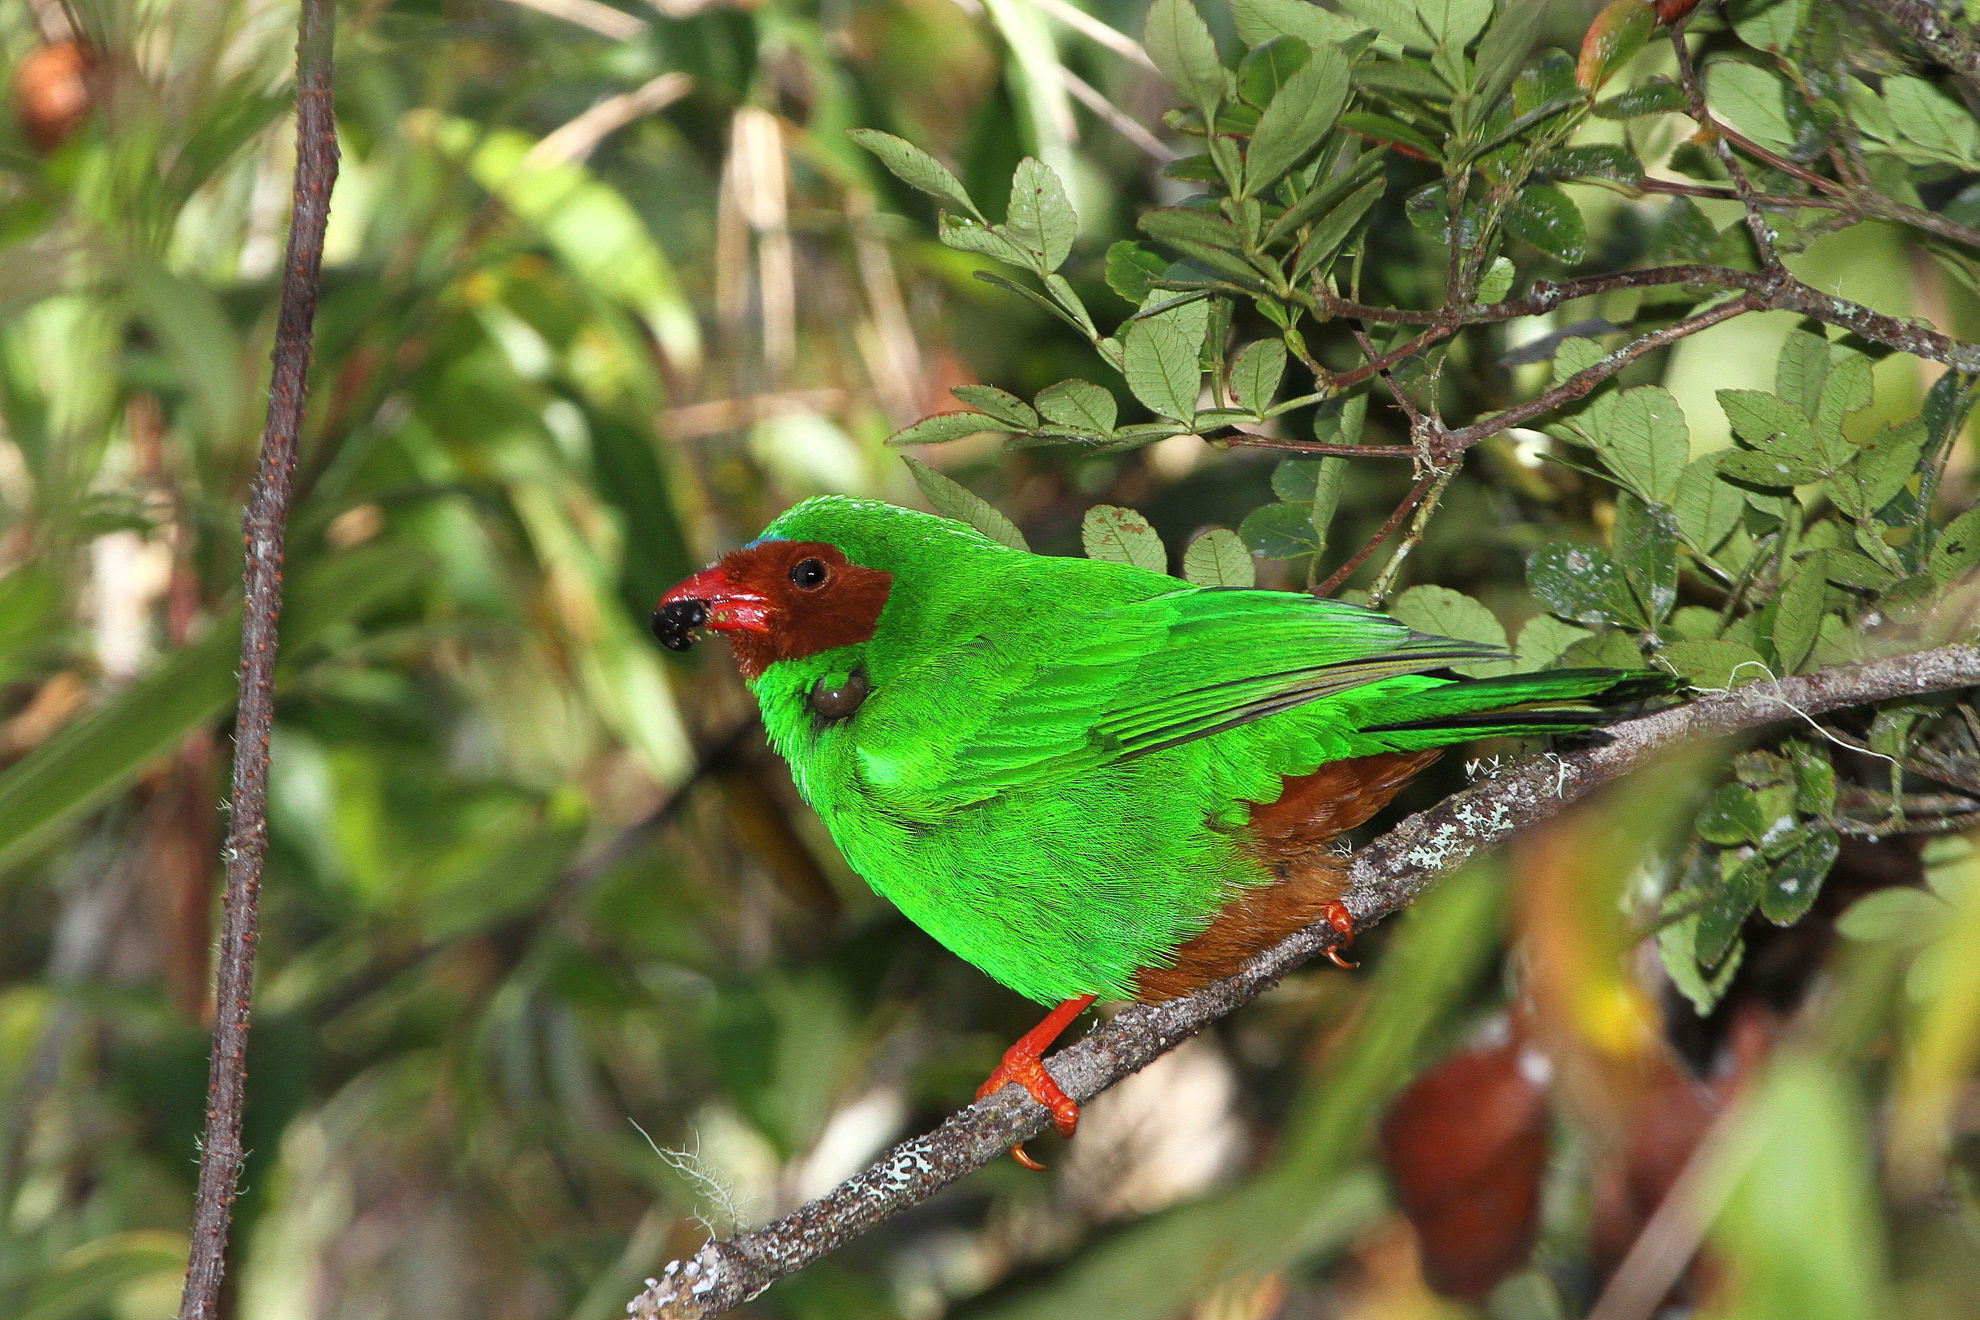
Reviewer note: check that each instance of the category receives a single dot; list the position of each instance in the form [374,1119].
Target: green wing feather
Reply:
[1136,677]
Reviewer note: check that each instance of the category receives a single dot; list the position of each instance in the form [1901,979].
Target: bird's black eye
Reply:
[808,573]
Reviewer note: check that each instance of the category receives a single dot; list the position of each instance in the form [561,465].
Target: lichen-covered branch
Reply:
[1384,878]
[220,1153]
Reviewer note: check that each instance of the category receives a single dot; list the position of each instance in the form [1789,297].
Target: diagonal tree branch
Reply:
[1386,877]
[1934,30]
[267,518]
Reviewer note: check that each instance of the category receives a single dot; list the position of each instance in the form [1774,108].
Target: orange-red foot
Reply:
[1024,1064]
[1335,914]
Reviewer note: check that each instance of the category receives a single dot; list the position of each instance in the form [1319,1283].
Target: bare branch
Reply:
[1386,877]
[266,522]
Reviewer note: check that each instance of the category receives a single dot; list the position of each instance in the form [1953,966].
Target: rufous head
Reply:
[775,600]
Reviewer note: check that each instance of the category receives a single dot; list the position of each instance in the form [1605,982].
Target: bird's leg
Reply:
[1335,914]
[1023,1063]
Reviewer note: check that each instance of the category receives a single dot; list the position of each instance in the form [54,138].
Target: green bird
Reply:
[1088,779]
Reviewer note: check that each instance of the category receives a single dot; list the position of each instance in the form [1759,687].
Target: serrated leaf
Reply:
[1956,550]
[1453,23]
[1751,99]
[1881,469]
[1041,218]
[1333,230]
[1766,470]
[1801,370]
[1727,909]
[1643,439]
[1814,781]
[1218,559]
[1000,404]
[1132,270]
[967,235]
[1293,124]
[1646,543]
[1931,126]
[1160,359]
[1677,948]
[1616,34]
[1769,423]
[1179,44]
[1582,583]
[1256,372]
[1258,21]
[1280,531]
[1656,97]
[1574,356]
[1847,390]
[952,499]
[1768,25]
[1079,404]
[1544,216]
[1797,618]
[1339,420]
[940,428]
[1797,877]
[1122,536]
[916,168]
[1442,612]
[1714,664]
[1544,639]
[1496,282]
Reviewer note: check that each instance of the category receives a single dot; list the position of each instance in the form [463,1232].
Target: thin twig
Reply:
[1935,32]
[1694,92]
[1382,533]
[220,1155]
[1385,877]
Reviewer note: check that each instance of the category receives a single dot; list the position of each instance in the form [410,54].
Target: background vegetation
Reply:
[556,977]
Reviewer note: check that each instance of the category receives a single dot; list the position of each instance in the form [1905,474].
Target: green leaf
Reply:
[951,499]
[1218,559]
[1574,356]
[1646,543]
[1160,359]
[92,759]
[1714,664]
[1814,780]
[1454,22]
[1902,914]
[1582,583]
[1331,232]
[1265,69]
[1801,370]
[1259,21]
[1932,126]
[1189,224]
[1617,32]
[1442,612]
[1846,391]
[1766,470]
[916,168]
[1496,282]
[1281,531]
[1392,18]
[1707,508]
[1956,550]
[1731,816]
[1508,41]
[1751,99]
[967,235]
[1256,372]
[1655,97]
[1798,877]
[1041,218]
[1122,536]
[1000,404]
[1881,469]
[1544,639]
[941,428]
[1544,216]
[1642,437]
[1771,424]
[1727,908]
[1293,124]
[1338,421]
[1767,25]
[1677,947]
[1798,618]
[1180,46]
[1594,160]
[1079,404]
[1132,270]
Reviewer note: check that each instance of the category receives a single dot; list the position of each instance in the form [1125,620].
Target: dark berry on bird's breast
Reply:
[837,701]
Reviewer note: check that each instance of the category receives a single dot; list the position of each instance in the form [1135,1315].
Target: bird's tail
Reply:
[1516,705]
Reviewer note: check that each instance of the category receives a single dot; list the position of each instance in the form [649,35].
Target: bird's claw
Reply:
[1336,915]
[1027,1069]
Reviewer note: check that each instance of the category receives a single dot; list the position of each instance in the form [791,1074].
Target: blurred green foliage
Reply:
[556,976]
